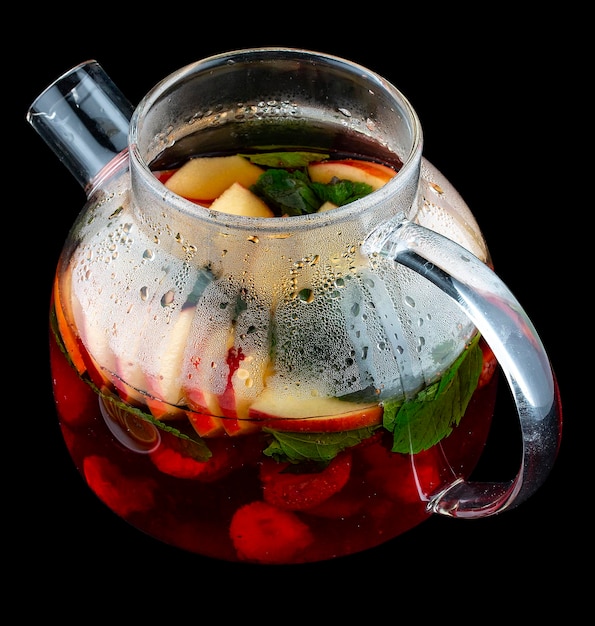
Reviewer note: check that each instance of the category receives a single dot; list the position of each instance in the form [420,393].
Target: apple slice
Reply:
[130,378]
[98,357]
[246,372]
[206,178]
[206,425]
[314,414]
[374,174]
[239,200]
[227,354]
[161,341]
[204,353]
[163,384]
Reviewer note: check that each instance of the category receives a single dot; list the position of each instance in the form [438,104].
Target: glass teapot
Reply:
[275,331]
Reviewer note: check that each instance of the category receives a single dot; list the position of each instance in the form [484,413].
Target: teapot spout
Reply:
[84,118]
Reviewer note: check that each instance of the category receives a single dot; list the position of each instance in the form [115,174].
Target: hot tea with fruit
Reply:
[236,373]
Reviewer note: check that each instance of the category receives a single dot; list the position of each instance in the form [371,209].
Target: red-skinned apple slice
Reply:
[226,362]
[212,344]
[205,424]
[315,414]
[374,174]
[131,380]
[165,387]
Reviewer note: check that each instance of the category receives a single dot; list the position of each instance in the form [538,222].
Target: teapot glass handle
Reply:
[510,334]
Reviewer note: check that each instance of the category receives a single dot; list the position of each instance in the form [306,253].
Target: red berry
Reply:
[263,533]
[175,457]
[124,495]
[287,489]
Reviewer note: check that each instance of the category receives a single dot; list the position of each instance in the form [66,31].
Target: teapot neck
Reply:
[84,118]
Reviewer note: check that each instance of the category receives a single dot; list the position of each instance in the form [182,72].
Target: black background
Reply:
[496,105]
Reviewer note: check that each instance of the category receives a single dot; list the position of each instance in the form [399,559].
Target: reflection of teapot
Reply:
[279,389]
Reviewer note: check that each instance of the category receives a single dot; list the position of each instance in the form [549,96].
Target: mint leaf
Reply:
[194,445]
[420,423]
[285,160]
[341,192]
[321,447]
[287,193]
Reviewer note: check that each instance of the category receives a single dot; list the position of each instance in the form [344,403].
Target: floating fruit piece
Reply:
[184,458]
[131,430]
[289,488]
[374,174]
[120,493]
[61,302]
[206,178]
[263,533]
[312,414]
[238,200]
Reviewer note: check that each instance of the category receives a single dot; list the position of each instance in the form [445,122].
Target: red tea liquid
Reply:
[221,508]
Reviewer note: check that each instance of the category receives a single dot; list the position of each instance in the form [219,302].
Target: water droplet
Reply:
[306,295]
[149,255]
[410,301]
[144,293]
[167,298]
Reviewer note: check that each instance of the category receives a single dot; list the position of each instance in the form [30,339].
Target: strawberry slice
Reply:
[291,491]
[263,533]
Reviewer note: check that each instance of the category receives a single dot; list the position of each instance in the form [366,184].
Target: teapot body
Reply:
[204,351]
[282,389]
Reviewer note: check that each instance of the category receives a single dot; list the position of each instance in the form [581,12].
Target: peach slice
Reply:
[315,414]
[206,178]
[239,200]
[374,174]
